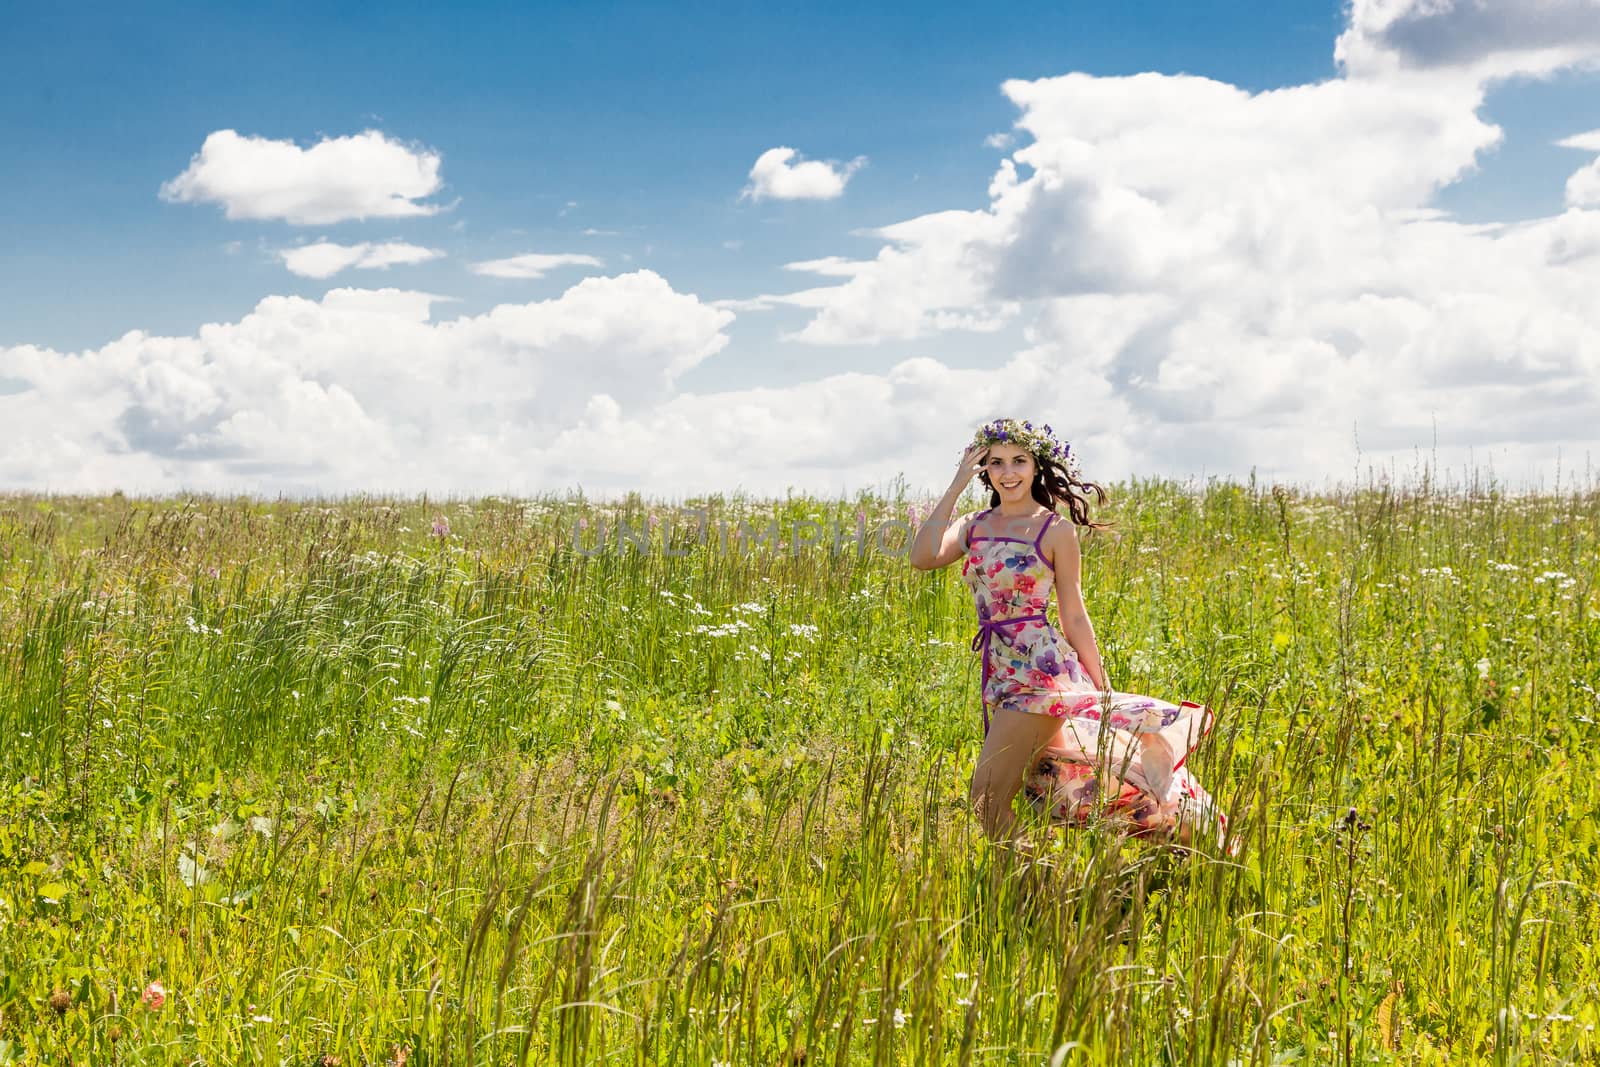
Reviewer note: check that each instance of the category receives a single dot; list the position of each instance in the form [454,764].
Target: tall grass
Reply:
[387,781]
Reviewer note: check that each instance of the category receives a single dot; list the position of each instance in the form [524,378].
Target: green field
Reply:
[425,782]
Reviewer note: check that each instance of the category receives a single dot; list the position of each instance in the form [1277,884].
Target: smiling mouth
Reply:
[1009,485]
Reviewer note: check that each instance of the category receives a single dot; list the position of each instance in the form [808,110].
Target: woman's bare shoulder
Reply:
[1061,539]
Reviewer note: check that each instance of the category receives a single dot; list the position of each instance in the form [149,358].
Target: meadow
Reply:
[375,781]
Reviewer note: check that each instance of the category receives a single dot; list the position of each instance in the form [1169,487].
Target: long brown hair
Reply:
[1053,484]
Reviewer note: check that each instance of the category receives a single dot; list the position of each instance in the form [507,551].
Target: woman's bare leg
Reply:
[1015,740]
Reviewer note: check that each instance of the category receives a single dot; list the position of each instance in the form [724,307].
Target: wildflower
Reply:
[441,527]
[1483,668]
[1041,443]
[155,995]
[60,1001]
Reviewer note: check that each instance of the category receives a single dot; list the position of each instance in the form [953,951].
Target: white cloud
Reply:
[1205,279]
[324,259]
[358,389]
[1000,140]
[534,264]
[1482,39]
[833,266]
[806,298]
[1588,142]
[1583,188]
[1259,278]
[362,176]
[774,177]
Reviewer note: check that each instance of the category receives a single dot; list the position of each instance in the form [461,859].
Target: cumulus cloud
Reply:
[1481,38]
[534,264]
[1204,280]
[359,389]
[1583,188]
[775,177]
[363,176]
[324,259]
[1264,275]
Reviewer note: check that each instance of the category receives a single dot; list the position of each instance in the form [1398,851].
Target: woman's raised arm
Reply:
[939,541]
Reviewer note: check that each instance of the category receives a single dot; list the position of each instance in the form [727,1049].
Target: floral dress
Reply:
[1126,750]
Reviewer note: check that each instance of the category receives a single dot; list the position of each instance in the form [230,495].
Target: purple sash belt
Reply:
[980,643]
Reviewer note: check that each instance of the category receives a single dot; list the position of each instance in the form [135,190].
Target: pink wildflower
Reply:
[441,527]
[155,995]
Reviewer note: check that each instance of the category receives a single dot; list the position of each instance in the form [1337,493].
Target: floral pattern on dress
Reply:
[1029,666]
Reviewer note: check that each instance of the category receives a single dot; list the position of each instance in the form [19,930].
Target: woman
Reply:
[1051,719]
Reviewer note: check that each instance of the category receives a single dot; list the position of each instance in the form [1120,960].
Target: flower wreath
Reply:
[1039,441]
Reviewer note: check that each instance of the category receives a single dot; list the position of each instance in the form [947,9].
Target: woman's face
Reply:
[1010,470]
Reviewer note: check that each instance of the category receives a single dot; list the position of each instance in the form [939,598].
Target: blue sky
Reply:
[647,116]
[641,121]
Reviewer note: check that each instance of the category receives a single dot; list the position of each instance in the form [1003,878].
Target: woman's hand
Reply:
[971,465]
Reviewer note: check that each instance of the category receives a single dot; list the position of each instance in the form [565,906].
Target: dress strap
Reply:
[967,537]
[1039,537]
